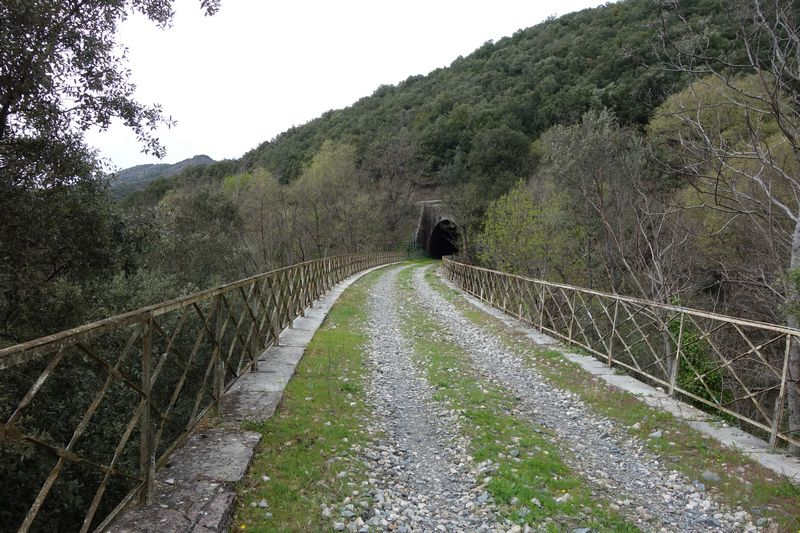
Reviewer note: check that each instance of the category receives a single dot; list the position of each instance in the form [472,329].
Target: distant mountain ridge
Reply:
[137,178]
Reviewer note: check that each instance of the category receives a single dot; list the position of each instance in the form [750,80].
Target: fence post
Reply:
[571,304]
[541,309]
[302,297]
[673,372]
[147,459]
[778,414]
[255,340]
[219,365]
[613,333]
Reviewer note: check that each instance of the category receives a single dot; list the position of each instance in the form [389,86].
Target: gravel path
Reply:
[422,477]
[613,462]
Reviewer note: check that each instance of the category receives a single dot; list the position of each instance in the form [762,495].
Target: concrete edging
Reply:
[749,445]
[196,491]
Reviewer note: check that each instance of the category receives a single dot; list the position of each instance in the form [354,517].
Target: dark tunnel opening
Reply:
[444,239]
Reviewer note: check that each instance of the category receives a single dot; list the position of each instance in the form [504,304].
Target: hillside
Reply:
[510,90]
[139,177]
[474,121]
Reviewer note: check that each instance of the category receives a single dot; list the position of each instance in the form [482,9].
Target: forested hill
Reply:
[474,121]
[138,177]
[507,93]
[348,180]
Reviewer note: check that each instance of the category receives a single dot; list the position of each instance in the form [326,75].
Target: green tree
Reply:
[528,231]
[499,157]
[60,73]
[624,205]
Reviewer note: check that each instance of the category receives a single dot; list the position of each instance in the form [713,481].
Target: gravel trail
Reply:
[421,474]
[614,463]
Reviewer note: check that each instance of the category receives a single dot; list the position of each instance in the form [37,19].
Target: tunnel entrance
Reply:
[444,239]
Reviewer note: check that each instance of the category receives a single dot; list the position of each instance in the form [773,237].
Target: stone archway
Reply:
[437,231]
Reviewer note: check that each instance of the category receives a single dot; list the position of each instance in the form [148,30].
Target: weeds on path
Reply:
[519,465]
[305,457]
[736,480]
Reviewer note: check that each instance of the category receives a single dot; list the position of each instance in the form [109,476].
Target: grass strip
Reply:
[305,459]
[520,465]
[739,482]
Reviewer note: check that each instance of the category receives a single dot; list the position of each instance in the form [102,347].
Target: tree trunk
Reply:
[792,310]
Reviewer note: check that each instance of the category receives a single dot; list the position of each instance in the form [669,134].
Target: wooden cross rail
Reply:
[730,366]
[103,405]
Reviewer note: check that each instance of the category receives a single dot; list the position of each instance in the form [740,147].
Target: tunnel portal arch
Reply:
[438,233]
[443,239]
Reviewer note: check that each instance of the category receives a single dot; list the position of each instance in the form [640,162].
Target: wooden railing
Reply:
[88,415]
[737,368]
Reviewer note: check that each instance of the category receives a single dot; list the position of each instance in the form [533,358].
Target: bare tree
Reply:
[741,137]
[631,225]
[640,239]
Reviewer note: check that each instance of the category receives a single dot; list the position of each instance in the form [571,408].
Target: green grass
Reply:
[528,464]
[743,482]
[305,457]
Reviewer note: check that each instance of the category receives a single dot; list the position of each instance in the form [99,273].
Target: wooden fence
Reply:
[88,415]
[733,367]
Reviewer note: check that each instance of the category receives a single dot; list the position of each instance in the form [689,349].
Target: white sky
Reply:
[257,68]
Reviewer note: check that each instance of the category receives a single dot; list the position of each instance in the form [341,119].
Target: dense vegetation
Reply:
[463,132]
[639,147]
[473,121]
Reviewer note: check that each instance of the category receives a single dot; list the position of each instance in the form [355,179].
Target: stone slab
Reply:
[296,337]
[142,520]
[240,406]
[316,312]
[749,445]
[266,381]
[587,363]
[225,455]
[308,323]
[274,370]
[219,513]
[281,354]
[197,487]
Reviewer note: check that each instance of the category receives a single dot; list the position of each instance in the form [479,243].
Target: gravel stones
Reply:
[421,477]
[615,464]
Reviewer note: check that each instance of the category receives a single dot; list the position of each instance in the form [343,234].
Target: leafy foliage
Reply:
[698,360]
[519,86]
[529,232]
[542,132]
[61,73]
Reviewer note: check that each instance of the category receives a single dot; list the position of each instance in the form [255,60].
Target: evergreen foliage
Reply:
[555,147]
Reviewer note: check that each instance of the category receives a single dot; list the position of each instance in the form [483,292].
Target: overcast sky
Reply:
[257,68]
